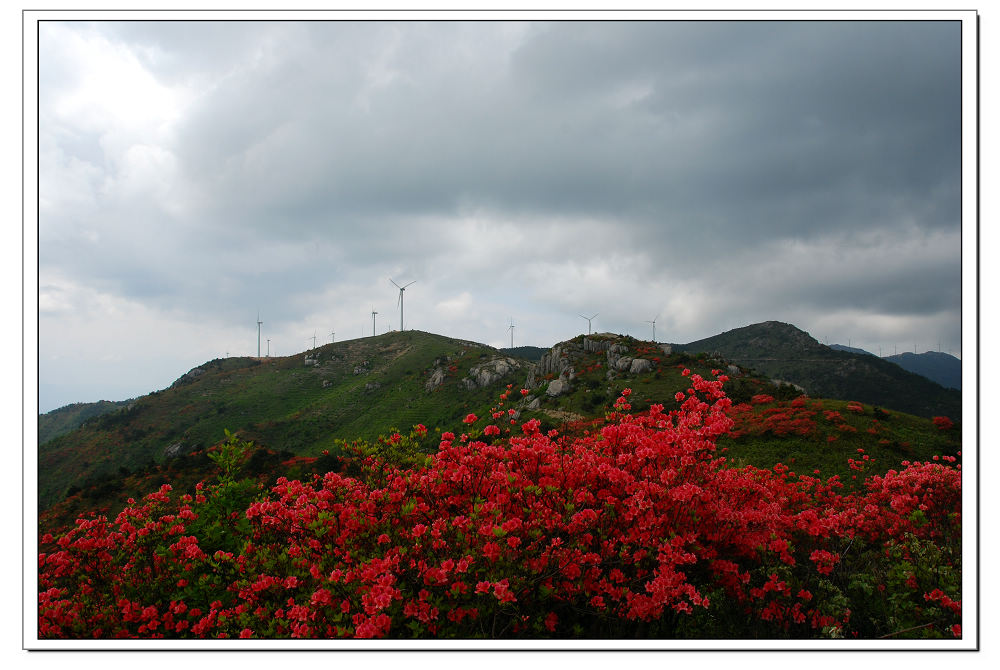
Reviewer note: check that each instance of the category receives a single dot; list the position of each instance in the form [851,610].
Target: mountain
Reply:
[300,404]
[939,367]
[782,351]
[295,409]
[526,353]
[63,420]
[851,350]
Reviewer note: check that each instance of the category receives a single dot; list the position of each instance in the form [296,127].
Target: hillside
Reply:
[63,420]
[300,404]
[939,367]
[782,351]
[850,350]
[296,408]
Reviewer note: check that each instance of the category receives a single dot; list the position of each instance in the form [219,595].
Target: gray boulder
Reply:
[436,379]
[557,387]
[640,365]
[623,363]
[493,370]
[178,449]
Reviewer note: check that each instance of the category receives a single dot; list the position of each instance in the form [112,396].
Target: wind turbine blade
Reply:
[412,282]
[394,283]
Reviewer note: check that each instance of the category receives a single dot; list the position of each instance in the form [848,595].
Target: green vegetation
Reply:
[310,419]
[65,419]
[781,351]
[359,389]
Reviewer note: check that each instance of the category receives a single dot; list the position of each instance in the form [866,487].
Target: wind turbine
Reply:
[589,319]
[401,289]
[373,321]
[333,335]
[259,322]
[314,339]
[269,347]
[511,329]
[654,326]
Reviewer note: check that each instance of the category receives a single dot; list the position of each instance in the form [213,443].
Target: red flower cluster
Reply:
[943,423]
[636,524]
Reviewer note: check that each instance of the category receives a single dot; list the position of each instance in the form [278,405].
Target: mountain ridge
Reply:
[302,412]
[937,366]
[784,352]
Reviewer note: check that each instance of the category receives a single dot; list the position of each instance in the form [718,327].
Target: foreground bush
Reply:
[637,531]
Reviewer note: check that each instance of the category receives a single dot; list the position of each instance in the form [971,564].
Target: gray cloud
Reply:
[712,171]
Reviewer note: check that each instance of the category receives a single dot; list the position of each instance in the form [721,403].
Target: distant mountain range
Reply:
[939,367]
[943,368]
[782,351]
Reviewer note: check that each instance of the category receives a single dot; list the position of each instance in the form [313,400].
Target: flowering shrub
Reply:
[638,529]
[943,423]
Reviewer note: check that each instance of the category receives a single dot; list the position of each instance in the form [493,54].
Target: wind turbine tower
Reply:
[401,289]
[259,322]
[373,321]
[314,339]
[511,329]
[654,326]
[333,336]
[269,347]
[589,319]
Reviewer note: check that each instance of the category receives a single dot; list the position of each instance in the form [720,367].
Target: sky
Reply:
[708,175]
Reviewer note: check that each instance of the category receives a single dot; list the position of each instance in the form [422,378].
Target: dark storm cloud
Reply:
[780,128]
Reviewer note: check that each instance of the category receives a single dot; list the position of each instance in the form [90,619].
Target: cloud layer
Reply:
[709,174]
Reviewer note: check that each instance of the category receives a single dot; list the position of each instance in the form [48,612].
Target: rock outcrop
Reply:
[640,365]
[557,387]
[436,379]
[555,362]
[493,370]
[189,376]
[177,449]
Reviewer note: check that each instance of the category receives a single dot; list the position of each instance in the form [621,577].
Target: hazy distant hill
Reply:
[527,353]
[63,420]
[942,368]
[784,352]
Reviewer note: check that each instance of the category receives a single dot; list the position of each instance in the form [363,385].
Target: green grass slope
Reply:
[63,420]
[283,406]
[353,389]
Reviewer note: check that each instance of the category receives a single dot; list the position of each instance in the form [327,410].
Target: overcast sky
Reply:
[710,175]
